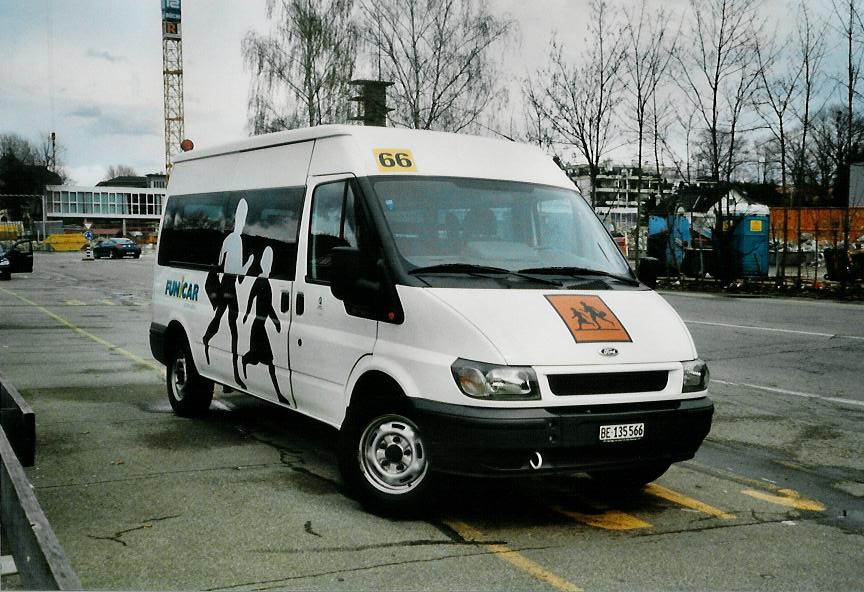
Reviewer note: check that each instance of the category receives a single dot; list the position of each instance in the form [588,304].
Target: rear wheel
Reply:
[5,275]
[383,460]
[190,394]
[630,478]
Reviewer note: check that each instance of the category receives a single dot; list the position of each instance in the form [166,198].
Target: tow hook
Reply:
[536,462]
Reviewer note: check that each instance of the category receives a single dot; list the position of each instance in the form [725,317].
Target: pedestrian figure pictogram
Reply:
[577,314]
[596,314]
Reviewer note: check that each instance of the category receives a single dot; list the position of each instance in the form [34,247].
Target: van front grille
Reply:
[565,385]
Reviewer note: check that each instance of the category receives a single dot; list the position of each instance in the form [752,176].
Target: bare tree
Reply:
[24,171]
[19,147]
[580,100]
[438,55]
[831,141]
[44,154]
[681,156]
[649,51]
[852,26]
[811,51]
[302,69]
[659,128]
[718,73]
[119,170]
[778,89]
[538,130]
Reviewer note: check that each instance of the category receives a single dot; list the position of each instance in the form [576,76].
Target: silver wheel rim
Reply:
[391,454]
[179,376]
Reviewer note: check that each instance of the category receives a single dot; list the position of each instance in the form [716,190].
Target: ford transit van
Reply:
[449,303]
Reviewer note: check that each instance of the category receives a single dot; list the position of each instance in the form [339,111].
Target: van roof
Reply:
[437,153]
[272,139]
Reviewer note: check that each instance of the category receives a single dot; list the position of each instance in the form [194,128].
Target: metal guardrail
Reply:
[42,564]
[19,422]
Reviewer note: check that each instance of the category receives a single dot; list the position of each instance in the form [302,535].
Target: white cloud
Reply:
[89,174]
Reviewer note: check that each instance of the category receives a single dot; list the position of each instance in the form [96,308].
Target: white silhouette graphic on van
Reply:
[233,268]
[260,351]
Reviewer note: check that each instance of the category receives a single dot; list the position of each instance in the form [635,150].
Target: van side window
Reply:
[193,230]
[273,221]
[333,224]
[196,226]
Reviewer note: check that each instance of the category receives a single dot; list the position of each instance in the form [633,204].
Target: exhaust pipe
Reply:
[536,461]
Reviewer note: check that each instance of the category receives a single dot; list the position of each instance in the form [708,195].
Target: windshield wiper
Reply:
[479,270]
[580,271]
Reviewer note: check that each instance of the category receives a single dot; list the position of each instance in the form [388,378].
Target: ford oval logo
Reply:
[608,352]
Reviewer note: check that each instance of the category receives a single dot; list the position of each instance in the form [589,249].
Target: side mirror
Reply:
[345,265]
[647,271]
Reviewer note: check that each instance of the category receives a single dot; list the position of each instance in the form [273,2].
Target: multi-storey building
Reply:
[118,206]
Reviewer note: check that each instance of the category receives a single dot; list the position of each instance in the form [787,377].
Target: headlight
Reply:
[488,381]
[696,376]
[4,262]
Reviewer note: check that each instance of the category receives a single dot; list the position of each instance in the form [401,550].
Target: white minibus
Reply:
[449,303]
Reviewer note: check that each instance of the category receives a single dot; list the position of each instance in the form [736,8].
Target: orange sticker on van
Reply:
[588,318]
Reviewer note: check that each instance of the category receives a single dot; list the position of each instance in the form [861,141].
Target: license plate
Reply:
[622,432]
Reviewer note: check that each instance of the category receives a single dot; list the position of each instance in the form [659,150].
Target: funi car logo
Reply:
[181,289]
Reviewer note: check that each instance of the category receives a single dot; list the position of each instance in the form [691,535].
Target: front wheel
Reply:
[384,462]
[189,394]
[630,478]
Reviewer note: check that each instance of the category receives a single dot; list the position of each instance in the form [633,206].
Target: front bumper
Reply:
[496,441]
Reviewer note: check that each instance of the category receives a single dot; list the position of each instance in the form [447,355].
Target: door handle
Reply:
[285,302]
[300,305]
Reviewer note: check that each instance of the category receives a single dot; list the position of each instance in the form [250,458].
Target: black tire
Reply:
[383,460]
[630,478]
[136,255]
[190,394]
[5,276]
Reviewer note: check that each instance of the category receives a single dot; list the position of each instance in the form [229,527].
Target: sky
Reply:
[91,70]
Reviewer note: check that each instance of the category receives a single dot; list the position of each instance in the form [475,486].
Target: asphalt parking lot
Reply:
[249,498]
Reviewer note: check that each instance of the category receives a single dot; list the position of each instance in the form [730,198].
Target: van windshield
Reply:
[442,223]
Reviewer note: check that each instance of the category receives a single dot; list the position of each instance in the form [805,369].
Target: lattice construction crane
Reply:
[172,77]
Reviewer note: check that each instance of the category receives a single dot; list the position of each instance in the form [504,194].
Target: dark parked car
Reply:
[115,248]
[15,257]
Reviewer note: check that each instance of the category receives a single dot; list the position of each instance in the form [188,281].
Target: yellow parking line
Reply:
[518,560]
[788,498]
[687,502]
[75,303]
[607,520]
[108,302]
[784,497]
[87,334]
